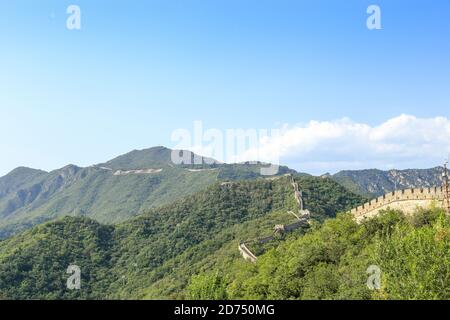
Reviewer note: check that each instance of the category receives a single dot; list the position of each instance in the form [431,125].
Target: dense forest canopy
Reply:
[332,262]
[188,249]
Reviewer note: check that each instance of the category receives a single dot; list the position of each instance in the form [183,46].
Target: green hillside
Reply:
[19,178]
[155,254]
[332,262]
[111,192]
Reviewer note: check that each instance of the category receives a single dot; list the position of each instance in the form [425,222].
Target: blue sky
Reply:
[138,70]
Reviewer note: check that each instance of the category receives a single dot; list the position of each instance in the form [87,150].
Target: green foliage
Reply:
[415,260]
[33,265]
[330,262]
[207,287]
[189,250]
[155,254]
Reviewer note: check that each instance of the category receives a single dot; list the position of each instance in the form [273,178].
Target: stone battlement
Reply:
[403,199]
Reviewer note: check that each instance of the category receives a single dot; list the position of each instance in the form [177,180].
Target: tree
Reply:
[210,286]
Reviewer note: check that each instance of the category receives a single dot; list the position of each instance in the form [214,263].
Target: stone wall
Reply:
[246,253]
[406,200]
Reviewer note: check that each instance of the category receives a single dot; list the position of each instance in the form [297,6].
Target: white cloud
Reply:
[320,146]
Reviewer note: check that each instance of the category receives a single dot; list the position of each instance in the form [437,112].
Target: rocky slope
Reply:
[373,183]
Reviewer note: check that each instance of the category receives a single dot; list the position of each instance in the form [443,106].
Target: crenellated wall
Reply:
[406,200]
[246,253]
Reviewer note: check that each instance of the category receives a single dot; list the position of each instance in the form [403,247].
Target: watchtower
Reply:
[446,189]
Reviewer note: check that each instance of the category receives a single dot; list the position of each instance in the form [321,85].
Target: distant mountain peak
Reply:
[25,170]
[69,170]
[154,158]
[71,167]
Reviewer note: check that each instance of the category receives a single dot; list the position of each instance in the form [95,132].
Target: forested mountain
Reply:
[123,187]
[110,192]
[18,179]
[410,256]
[155,254]
[190,219]
[374,183]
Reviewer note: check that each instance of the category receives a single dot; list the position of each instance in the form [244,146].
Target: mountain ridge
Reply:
[121,261]
[374,182]
[109,192]
[125,186]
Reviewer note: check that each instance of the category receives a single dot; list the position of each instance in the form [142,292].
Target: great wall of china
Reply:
[405,200]
[302,219]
